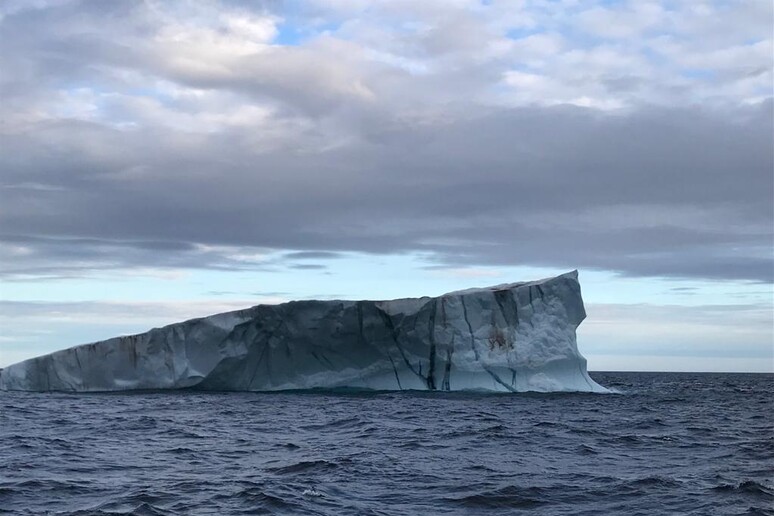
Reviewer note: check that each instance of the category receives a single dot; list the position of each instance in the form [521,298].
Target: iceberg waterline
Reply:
[515,337]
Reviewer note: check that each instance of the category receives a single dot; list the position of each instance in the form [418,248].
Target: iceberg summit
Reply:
[508,338]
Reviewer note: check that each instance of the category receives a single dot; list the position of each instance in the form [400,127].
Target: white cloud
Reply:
[630,21]
[393,125]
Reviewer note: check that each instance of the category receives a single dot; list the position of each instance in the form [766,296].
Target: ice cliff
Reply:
[514,337]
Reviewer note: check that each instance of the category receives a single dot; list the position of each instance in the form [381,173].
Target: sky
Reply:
[162,160]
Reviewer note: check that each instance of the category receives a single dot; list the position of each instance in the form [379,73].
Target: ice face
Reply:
[515,337]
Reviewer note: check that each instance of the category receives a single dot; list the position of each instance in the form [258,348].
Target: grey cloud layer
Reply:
[139,139]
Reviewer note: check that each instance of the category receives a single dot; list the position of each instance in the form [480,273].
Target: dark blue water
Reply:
[669,444]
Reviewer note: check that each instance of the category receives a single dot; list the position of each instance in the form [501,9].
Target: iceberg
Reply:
[507,338]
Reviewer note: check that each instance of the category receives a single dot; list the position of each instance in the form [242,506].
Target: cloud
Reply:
[308,266]
[701,337]
[476,135]
[648,194]
[311,255]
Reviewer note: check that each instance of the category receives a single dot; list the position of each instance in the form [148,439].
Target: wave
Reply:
[747,487]
[304,467]
[509,497]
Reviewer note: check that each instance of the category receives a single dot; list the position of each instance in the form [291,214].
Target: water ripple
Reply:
[671,443]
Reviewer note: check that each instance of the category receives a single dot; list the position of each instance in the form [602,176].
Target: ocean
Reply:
[666,443]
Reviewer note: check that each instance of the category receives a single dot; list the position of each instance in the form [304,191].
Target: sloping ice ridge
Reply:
[515,337]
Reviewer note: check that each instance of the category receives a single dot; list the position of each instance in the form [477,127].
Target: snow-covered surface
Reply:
[514,337]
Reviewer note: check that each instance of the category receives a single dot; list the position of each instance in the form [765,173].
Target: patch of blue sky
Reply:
[288,34]
[523,32]
[655,57]
[582,39]
[296,30]
[79,101]
[702,74]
